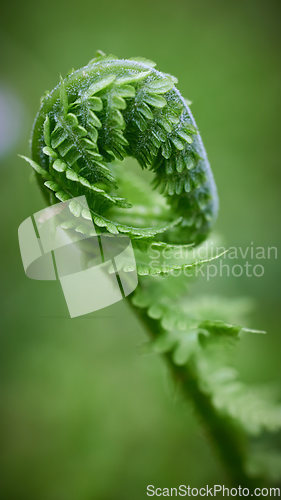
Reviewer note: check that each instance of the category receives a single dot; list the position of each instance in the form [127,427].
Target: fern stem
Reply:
[222,432]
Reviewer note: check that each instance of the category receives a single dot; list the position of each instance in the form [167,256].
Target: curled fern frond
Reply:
[111,109]
[85,129]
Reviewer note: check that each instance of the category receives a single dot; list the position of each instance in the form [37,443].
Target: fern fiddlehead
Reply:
[117,108]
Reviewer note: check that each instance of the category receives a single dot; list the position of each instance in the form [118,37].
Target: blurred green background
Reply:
[85,414]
